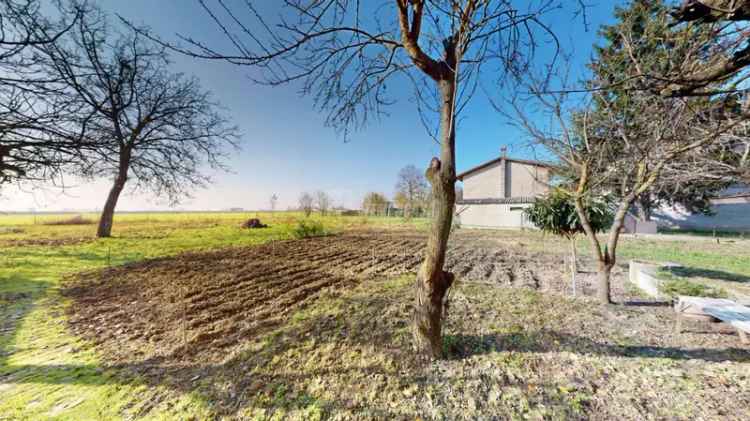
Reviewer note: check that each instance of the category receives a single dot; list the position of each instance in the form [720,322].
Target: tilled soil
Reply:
[197,306]
[219,322]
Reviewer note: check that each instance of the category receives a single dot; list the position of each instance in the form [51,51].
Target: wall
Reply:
[484,184]
[493,216]
[521,180]
[526,180]
[731,214]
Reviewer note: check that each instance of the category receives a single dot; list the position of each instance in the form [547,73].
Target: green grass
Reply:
[45,372]
[676,287]
[725,257]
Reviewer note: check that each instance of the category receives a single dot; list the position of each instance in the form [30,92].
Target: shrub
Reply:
[75,220]
[556,214]
[307,229]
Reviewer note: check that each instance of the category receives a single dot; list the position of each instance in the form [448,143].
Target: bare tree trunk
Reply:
[108,213]
[643,205]
[573,263]
[432,282]
[603,276]
[608,257]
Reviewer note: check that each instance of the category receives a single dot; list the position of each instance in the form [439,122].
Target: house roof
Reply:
[496,160]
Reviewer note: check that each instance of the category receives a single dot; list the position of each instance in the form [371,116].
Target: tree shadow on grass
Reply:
[693,272]
[18,296]
[249,378]
[543,341]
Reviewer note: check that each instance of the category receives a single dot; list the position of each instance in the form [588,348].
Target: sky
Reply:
[286,148]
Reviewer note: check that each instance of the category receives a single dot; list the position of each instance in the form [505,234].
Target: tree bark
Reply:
[603,287]
[105,221]
[573,263]
[643,206]
[432,282]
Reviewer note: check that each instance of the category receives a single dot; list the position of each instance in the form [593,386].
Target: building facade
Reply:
[496,192]
[731,213]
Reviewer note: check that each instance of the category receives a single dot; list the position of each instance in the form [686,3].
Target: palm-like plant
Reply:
[556,214]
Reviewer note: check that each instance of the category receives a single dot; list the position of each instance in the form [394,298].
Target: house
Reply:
[496,192]
[731,213]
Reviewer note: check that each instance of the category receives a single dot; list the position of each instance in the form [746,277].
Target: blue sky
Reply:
[286,147]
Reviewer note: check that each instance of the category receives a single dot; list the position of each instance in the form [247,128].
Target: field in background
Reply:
[518,352]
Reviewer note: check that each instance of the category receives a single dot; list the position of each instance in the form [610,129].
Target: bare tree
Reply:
[724,58]
[322,202]
[605,149]
[146,124]
[306,203]
[374,204]
[622,140]
[273,200]
[411,183]
[401,201]
[644,41]
[35,140]
[345,52]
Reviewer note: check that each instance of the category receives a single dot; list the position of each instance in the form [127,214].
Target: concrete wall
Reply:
[526,180]
[494,216]
[484,184]
[519,180]
[634,226]
[731,214]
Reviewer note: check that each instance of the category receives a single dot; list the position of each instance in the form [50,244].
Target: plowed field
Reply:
[195,307]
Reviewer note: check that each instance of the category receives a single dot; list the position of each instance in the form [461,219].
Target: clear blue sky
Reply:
[286,148]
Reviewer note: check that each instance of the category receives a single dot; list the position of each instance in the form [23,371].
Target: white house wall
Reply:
[493,216]
[526,180]
[731,214]
[484,184]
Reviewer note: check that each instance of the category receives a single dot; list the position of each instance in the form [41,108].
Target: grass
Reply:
[46,373]
[677,287]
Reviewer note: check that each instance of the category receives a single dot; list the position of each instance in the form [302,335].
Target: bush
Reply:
[75,220]
[556,214]
[307,229]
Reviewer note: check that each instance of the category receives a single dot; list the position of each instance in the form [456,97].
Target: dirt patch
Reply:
[196,306]
[221,323]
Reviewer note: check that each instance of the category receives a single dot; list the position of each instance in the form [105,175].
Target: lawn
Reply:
[516,353]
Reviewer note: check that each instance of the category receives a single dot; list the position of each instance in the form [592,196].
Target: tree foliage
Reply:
[619,138]
[643,40]
[555,213]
